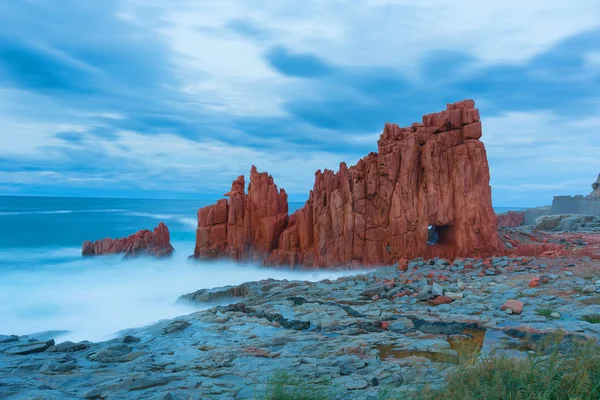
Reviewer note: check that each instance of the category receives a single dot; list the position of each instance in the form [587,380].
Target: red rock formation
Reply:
[511,219]
[551,245]
[433,173]
[155,243]
[248,226]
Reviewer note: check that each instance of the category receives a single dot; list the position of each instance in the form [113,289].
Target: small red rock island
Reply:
[424,193]
[155,243]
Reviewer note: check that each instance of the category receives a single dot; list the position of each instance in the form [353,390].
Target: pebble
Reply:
[455,295]
[589,289]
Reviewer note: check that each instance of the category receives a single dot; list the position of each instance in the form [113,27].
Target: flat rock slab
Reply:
[29,348]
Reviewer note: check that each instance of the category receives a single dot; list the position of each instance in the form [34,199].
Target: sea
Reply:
[48,288]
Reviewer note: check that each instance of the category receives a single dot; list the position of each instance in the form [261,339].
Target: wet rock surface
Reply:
[363,334]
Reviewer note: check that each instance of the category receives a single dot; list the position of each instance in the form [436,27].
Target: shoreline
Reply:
[363,333]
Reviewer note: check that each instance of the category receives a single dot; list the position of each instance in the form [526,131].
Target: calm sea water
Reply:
[45,284]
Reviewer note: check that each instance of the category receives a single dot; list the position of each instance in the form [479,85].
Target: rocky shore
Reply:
[393,329]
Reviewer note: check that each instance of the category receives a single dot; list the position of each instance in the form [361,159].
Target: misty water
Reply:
[45,283]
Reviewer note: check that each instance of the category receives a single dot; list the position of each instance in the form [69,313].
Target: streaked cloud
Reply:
[155,98]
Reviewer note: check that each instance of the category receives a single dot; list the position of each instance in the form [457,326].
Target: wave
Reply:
[36,212]
[58,211]
[149,215]
[191,222]
[187,221]
[41,254]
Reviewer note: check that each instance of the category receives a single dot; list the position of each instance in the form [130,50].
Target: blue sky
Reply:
[175,99]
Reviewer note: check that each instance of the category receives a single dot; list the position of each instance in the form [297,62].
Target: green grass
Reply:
[283,386]
[592,318]
[544,312]
[552,377]
[573,375]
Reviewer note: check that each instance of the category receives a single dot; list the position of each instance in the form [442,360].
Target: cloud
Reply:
[296,64]
[131,97]
[535,156]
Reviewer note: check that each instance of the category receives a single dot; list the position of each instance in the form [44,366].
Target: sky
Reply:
[176,98]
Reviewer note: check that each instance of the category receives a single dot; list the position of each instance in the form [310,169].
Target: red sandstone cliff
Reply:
[248,228]
[155,243]
[433,173]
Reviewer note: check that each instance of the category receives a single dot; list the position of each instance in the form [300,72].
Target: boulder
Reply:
[549,222]
[221,293]
[401,325]
[30,348]
[374,289]
[441,300]
[155,243]
[430,177]
[511,219]
[566,222]
[67,347]
[515,306]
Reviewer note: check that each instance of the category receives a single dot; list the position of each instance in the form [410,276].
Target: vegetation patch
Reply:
[556,376]
[283,386]
[592,318]
[544,312]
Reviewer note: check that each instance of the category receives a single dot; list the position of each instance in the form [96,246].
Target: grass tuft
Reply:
[540,377]
[283,386]
[592,318]
[556,376]
[544,312]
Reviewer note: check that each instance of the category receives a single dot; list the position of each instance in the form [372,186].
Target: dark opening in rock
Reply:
[437,234]
[433,235]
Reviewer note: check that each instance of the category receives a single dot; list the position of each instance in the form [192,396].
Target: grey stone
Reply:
[112,354]
[401,325]
[355,383]
[176,326]
[455,295]
[437,289]
[373,290]
[57,368]
[221,293]
[67,347]
[8,339]
[148,382]
[589,289]
[130,339]
[423,296]
[31,347]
